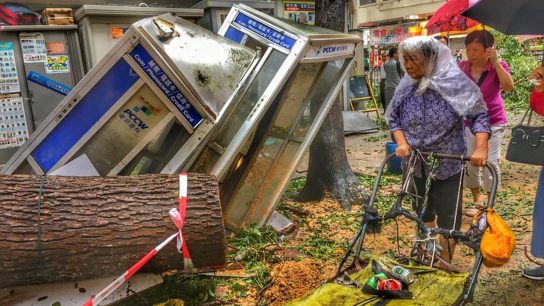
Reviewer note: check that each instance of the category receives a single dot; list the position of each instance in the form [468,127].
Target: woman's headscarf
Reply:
[442,74]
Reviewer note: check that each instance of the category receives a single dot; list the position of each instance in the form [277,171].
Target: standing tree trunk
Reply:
[94,227]
[329,172]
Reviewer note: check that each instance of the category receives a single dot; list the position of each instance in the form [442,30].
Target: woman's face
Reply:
[475,52]
[414,66]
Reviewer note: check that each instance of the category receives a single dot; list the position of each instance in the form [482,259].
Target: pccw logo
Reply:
[131,118]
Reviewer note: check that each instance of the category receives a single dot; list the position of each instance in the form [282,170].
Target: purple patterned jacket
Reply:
[430,124]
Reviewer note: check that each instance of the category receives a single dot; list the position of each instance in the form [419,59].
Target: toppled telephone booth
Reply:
[172,97]
[264,133]
[153,99]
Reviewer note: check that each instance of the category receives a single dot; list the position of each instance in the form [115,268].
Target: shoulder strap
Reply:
[482,78]
[529,111]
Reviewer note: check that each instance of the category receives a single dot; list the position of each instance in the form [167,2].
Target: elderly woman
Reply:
[426,113]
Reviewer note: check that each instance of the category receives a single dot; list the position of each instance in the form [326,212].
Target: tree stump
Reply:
[93,227]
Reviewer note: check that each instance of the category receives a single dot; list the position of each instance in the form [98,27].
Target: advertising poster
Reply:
[33,47]
[13,128]
[57,64]
[56,47]
[118,32]
[299,11]
[9,80]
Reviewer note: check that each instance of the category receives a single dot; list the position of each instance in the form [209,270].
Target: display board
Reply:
[358,87]
[361,95]
[13,128]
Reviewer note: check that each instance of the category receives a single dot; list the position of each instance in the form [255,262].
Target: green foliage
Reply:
[521,64]
[383,201]
[320,247]
[251,250]
[381,123]
[377,138]
[295,185]
[191,289]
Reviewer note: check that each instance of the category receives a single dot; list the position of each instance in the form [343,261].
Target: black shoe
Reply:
[534,273]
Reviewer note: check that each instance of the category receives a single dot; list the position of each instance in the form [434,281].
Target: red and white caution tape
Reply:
[178,217]
[179,220]
[128,274]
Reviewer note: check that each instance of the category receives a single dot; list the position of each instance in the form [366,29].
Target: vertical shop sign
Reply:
[13,128]
[33,47]
[9,80]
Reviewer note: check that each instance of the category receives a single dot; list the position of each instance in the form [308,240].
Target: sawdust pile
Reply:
[294,279]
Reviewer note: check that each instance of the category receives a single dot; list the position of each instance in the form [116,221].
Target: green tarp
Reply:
[434,288]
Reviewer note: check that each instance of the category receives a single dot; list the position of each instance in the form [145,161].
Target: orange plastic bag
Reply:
[498,242]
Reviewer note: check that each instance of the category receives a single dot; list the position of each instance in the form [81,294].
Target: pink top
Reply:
[491,90]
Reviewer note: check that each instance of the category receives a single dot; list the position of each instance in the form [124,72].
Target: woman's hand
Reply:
[505,79]
[403,151]
[479,156]
[403,148]
[491,55]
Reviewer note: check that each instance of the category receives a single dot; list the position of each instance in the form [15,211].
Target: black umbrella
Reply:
[512,17]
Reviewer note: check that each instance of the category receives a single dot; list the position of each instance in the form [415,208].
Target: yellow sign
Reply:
[57,64]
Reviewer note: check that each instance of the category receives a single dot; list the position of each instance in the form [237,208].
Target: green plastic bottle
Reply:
[373,281]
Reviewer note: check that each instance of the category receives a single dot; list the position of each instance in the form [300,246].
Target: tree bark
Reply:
[94,227]
[329,173]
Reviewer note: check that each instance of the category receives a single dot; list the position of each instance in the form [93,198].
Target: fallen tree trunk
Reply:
[94,227]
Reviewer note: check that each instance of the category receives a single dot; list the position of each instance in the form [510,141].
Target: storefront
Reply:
[385,37]
[299,11]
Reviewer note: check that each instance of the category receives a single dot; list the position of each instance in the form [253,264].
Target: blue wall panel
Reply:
[85,114]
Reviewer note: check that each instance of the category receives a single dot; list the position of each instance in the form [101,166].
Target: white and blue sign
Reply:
[48,83]
[267,32]
[165,84]
[92,106]
[331,50]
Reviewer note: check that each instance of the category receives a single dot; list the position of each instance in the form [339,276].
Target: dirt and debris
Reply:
[294,279]
[201,78]
[241,57]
